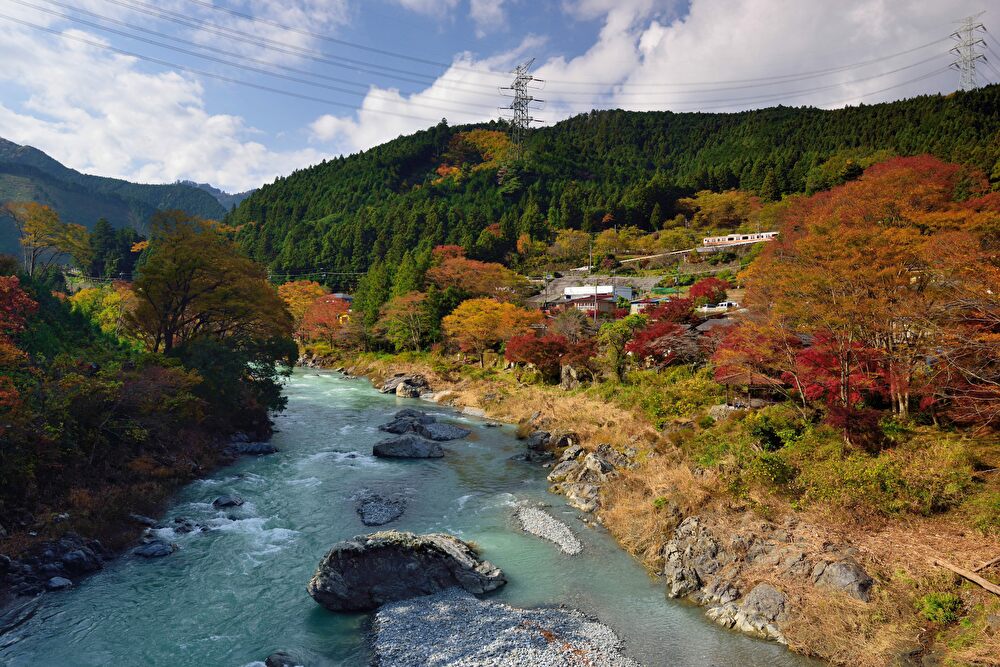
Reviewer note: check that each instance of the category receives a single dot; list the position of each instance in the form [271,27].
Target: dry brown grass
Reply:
[845,631]
[630,509]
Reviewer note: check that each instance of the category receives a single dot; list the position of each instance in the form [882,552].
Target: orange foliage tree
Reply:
[888,271]
[478,325]
[477,278]
[298,295]
[324,319]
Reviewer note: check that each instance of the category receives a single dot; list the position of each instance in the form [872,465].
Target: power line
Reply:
[520,105]
[966,55]
[362,93]
[326,38]
[409,57]
[289,49]
[777,79]
[212,75]
[726,102]
[139,5]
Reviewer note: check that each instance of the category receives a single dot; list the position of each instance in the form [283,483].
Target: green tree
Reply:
[614,337]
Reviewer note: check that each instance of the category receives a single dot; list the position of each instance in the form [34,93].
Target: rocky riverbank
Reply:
[40,566]
[752,575]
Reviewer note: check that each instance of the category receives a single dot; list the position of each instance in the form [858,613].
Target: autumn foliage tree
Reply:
[708,290]
[324,319]
[478,325]
[663,343]
[886,272]
[298,295]
[543,352]
[44,237]
[478,279]
[15,307]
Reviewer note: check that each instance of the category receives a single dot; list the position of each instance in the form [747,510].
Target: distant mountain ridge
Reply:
[228,200]
[29,174]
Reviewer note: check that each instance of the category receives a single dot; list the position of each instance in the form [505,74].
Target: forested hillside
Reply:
[28,174]
[450,185]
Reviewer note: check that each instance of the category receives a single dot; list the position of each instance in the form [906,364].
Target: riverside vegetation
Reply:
[811,514]
[112,397]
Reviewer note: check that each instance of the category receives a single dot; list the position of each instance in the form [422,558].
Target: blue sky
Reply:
[66,90]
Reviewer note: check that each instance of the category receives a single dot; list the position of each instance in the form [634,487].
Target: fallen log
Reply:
[987,564]
[967,574]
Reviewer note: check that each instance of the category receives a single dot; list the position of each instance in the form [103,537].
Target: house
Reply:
[579,291]
[641,305]
[594,305]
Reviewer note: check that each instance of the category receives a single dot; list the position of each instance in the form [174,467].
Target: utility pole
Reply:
[520,105]
[966,50]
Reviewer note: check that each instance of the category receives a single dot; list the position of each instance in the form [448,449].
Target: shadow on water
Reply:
[235,593]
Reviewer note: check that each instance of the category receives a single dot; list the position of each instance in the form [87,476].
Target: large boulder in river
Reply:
[421,423]
[412,385]
[367,571]
[408,446]
[442,432]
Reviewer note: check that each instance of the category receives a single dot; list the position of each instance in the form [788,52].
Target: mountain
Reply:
[227,200]
[27,173]
[451,185]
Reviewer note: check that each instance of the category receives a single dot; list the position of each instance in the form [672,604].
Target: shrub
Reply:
[940,607]
[986,514]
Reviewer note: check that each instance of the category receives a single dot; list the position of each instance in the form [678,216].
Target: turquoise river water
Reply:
[234,594]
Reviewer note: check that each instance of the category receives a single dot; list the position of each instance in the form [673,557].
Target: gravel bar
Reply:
[544,525]
[456,628]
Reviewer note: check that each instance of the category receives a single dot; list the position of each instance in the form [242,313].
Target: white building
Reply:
[579,291]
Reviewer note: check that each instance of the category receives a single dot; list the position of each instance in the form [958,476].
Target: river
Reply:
[232,595]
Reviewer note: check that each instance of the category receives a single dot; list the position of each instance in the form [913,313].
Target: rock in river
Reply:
[58,584]
[154,549]
[421,423]
[377,510]
[366,571]
[408,446]
[227,501]
[435,431]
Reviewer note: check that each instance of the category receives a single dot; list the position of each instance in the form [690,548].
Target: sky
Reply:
[238,92]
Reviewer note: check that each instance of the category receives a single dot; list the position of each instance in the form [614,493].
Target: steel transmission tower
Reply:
[966,50]
[520,107]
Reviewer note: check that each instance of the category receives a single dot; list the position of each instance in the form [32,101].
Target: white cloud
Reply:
[99,113]
[429,7]
[488,15]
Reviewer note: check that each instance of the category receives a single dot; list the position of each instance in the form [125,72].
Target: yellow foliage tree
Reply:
[478,325]
[298,295]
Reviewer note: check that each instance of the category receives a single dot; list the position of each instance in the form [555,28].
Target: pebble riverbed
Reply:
[542,524]
[456,628]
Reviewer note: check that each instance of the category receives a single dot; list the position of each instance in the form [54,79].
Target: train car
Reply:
[737,239]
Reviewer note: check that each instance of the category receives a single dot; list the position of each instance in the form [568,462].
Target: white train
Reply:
[737,239]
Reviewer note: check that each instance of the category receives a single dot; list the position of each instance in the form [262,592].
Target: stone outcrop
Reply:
[405,385]
[703,563]
[408,446]
[423,424]
[579,474]
[369,570]
[68,558]
[154,549]
[846,576]
[230,500]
